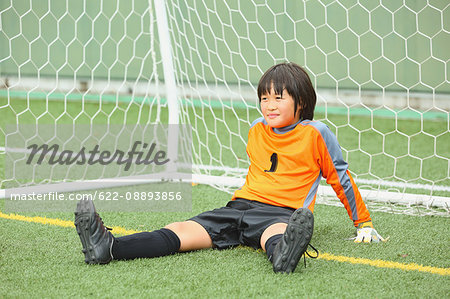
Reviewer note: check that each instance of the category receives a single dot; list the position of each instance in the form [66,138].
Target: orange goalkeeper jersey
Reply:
[286,166]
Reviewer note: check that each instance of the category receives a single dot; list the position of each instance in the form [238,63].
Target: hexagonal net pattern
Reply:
[380,70]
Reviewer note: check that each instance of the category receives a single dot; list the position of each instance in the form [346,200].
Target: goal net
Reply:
[380,69]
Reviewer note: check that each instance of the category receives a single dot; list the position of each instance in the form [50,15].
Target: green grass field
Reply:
[38,260]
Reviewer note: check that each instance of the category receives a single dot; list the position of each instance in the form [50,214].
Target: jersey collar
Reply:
[286,129]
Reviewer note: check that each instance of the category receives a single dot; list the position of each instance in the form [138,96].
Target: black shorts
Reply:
[241,221]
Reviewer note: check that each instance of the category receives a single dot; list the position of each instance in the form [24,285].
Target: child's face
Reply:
[278,110]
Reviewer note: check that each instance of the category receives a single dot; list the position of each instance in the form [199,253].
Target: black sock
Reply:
[146,245]
[271,243]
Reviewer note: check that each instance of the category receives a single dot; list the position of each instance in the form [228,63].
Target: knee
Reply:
[191,234]
[274,229]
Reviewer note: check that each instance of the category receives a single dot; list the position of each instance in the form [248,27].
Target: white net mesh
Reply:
[380,69]
[77,63]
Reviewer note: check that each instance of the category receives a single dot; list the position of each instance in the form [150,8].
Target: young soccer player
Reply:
[289,154]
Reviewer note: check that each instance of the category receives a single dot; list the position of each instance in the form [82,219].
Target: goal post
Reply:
[380,69]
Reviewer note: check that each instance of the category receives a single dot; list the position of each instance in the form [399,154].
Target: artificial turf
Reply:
[39,260]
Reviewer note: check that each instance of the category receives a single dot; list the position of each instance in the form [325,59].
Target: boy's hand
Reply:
[366,233]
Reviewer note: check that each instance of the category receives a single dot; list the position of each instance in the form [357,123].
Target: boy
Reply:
[289,153]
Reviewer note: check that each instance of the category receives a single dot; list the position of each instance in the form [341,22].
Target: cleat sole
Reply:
[85,217]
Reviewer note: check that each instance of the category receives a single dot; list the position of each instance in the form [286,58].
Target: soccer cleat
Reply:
[95,237]
[294,242]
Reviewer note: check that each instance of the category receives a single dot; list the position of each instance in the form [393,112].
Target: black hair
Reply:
[296,81]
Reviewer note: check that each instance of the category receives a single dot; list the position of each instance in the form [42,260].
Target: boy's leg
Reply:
[192,235]
[273,230]
[99,245]
[284,248]
[175,237]
[145,245]
[271,237]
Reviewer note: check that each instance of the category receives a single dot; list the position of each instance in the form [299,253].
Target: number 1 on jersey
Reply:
[274,160]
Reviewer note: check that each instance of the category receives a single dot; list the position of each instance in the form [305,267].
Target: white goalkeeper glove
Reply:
[366,233]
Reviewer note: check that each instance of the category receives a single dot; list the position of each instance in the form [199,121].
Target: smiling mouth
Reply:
[272,116]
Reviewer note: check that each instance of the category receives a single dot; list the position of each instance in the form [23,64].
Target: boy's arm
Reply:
[335,170]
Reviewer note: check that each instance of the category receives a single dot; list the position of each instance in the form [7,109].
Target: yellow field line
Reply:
[58,222]
[323,255]
[384,264]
